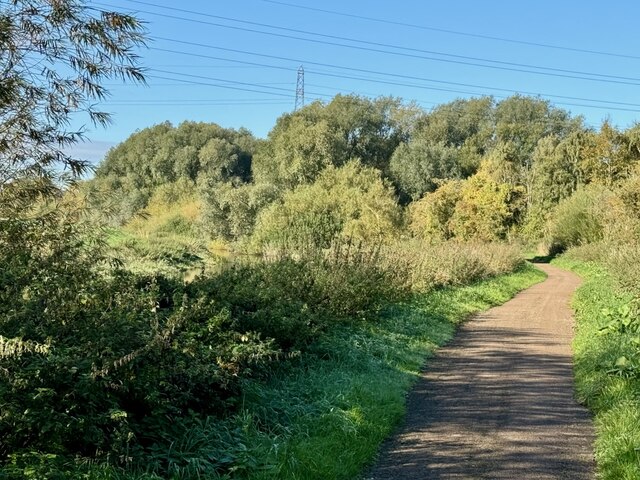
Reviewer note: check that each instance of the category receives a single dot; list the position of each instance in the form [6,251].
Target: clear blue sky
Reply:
[186,84]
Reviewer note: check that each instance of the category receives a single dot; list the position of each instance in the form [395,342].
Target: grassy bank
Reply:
[606,369]
[328,414]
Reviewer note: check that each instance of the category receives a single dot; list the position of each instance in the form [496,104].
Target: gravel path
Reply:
[497,403]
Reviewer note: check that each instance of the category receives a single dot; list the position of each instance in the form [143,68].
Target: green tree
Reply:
[610,156]
[186,163]
[349,127]
[371,129]
[351,201]
[555,175]
[199,152]
[297,150]
[466,125]
[54,59]
[224,161]
[632,141]
[522,121]
[417,166]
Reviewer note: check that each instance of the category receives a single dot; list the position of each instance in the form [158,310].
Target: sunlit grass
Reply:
[329,413]
[613,399]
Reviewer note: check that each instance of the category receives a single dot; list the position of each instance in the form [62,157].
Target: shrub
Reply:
[580,219]
[230,211]
[357,279]
[347,202]
[272,298]
[95,362]
[476,209]
[293,300]
[431,215]
[487,210]
[606,217]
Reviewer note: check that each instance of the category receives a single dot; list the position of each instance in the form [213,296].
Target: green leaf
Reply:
[623,362]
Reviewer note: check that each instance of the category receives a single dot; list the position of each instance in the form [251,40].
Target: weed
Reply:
[607,366]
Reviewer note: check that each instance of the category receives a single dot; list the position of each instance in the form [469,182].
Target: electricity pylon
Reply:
[299,89]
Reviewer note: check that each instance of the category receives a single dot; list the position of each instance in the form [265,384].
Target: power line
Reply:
[200,104]
[399,84]
[195,100]
[191,82]
[201,66]
[421,102]
[453,32]
[325,95]
[219,85]
[406,77]
[410,77]
[234,82]
[226,83]
[573,74]
[343,76]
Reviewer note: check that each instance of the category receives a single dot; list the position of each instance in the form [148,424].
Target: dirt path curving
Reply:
[497,403]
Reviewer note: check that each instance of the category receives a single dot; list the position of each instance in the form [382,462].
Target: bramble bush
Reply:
[95,362]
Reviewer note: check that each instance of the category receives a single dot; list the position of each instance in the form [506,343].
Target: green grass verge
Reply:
[614,399]
[328,414]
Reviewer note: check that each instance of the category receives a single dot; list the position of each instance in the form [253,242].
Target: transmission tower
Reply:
[299,89]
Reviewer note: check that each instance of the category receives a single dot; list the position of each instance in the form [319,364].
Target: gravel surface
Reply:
[498,402]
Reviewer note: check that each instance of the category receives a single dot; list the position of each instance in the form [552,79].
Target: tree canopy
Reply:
[522,153]
[351,201]
[54,59]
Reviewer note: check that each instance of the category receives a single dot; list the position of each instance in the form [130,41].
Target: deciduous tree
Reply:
[54,59]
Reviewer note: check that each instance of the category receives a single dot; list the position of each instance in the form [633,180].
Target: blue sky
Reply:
[235,62]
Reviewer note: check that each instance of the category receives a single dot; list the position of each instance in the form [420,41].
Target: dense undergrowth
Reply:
[106,370]
[607,352]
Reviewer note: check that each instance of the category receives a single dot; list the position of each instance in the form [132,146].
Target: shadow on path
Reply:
[498,402]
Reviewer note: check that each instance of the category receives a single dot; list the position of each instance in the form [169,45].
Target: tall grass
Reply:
[454,263]
[622,261]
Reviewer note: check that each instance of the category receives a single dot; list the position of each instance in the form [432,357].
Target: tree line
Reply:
[471,169]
